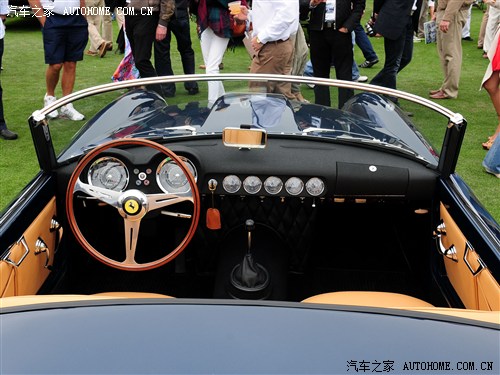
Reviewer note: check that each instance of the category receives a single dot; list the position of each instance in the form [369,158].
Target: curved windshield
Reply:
[367,118]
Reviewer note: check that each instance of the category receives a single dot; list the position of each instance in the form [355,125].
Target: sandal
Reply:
[487,145]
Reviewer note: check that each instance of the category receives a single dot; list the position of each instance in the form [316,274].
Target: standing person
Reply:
[98,18]
[145,22]
[393,20]
[179,26]
[214,31]
[330,35]
[5,133]
[451,16]
[65,35]
[275,24]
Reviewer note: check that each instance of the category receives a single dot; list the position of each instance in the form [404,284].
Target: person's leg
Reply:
[181,29]
[163,63]
[94,24]
[452,55]
[491,161]
[52,78]
[107,27]
[141,31]
[492,86]
[466,27]
[393,54]
[482,29]
[213,48]
[408,47]
[68,77]
[344,63]
[364,44]
[321,60]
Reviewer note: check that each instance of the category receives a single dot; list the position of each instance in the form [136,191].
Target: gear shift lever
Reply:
[249,279]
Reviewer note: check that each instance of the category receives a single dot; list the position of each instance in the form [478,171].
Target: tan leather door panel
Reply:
[26,265]
[473,282]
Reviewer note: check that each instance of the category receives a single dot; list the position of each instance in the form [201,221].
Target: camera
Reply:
[369,29]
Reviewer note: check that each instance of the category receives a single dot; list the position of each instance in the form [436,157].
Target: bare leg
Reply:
[492,87]
[52,77]
[68,77]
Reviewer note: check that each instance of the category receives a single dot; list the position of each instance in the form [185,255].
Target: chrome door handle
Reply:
[451,252]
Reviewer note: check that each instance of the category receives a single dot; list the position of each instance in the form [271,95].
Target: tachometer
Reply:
[171,178]
[109,173]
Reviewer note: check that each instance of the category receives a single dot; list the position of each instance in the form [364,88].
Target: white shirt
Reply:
[4,10]
[274,20]
[330,10]
[61,6]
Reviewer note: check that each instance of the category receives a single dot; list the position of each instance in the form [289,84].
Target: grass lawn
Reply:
[23,82]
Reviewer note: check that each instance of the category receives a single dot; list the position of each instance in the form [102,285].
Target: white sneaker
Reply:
[49,99]
[362,79]
[69,112]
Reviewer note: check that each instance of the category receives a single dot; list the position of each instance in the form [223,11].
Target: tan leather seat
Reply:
[132,295]
[375,299]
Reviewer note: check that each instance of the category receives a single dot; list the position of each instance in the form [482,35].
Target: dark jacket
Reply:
[392,17]
[348,14]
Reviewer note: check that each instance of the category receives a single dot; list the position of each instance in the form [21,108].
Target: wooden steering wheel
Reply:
[132,205]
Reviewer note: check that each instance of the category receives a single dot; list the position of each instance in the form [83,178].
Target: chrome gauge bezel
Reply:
[315,186]
[107,165]
[252,184]
[171,186]
[294,186]
[273,185]
[231,183]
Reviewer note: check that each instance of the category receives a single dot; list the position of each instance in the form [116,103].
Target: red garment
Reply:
[495,62]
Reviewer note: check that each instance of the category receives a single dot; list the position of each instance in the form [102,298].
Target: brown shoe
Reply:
[90,53]
[110,46]
[439,95]
[103,48]
[221,66]
[434,92]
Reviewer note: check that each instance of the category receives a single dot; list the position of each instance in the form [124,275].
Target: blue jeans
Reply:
[364,43]
[492,159]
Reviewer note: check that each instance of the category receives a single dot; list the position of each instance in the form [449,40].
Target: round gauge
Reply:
[109,173]
[294,185]
[273,185]
[231,183]
[171,178]
[252,184]
[315,186]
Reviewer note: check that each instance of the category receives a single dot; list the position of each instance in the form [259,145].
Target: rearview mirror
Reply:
[244,138]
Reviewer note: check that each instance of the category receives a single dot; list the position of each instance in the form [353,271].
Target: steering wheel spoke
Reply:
[104,195]
[157,201]
[131,235]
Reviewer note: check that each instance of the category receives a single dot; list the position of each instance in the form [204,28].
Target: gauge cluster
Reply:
[116,174]
[111,173]
[273,185]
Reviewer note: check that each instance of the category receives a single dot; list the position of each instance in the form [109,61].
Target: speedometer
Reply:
[171,178]
[109,173]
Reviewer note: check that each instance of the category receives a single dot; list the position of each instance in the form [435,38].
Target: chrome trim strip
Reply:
[453,117]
